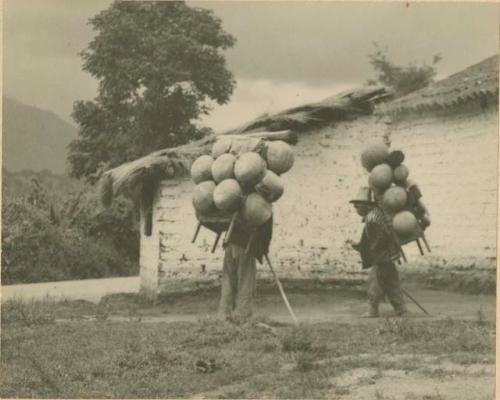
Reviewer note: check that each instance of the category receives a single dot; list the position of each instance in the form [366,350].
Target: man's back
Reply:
[380,241]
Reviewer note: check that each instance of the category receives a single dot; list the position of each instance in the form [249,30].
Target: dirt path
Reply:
[429,382]
[343,305]
[334,304]
[346,307]
[447,381]
[87,289]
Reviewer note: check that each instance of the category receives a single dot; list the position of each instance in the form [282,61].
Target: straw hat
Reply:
[364,197]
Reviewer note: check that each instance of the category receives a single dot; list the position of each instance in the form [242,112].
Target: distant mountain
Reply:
[34,139]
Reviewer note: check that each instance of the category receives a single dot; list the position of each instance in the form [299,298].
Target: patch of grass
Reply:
[304,339]
[306,362]
[451,335]
[481,318]
[304,385]
[402,329]
[436,396]
[104,359]
[118,303]
[468,358]
[436,373]
[379,395]
[296,340]
[342,391]
[465,279]
[128,359]
[28,312]
[46,310]
[408,363]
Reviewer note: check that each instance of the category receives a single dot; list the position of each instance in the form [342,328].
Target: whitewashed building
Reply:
[449,133]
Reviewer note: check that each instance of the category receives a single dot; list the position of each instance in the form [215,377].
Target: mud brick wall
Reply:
[452,159]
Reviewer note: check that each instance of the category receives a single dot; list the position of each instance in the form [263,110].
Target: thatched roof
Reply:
[479,80]
[161,164]
[175,162]
[345,105]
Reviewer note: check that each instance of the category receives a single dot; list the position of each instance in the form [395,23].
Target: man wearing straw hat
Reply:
[379,252]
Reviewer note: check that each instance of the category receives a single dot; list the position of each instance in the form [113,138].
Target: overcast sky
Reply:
[286,53]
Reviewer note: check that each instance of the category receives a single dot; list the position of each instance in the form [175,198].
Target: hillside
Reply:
[20,184]
[34,139]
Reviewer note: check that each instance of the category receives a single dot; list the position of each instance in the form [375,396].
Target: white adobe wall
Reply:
[453,160]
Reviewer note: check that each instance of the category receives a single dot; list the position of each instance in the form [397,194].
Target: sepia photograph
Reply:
[249,199]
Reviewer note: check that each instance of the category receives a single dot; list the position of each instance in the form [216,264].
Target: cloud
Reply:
[324,42]
[254,97]
[285,51]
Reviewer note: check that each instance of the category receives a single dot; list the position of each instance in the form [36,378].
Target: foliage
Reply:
[402,79]
[21,184]
[49,236]
[158,65]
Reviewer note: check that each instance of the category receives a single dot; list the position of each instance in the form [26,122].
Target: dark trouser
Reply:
[383,280]
[238,282]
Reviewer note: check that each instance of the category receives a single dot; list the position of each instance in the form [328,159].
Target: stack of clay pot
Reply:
[388,181]
[236,178]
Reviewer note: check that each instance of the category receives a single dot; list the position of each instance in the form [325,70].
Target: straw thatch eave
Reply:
[161,164]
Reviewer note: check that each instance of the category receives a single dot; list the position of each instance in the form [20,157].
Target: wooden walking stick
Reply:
[283,295]
[415,301]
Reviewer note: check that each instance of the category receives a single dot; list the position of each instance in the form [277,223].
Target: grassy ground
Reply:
[467,279]
[105,358]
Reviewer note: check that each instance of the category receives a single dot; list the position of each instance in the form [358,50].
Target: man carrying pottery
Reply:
[379,252]
[242,247]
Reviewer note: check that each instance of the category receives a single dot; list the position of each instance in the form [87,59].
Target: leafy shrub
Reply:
[402,79]
[77,240]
